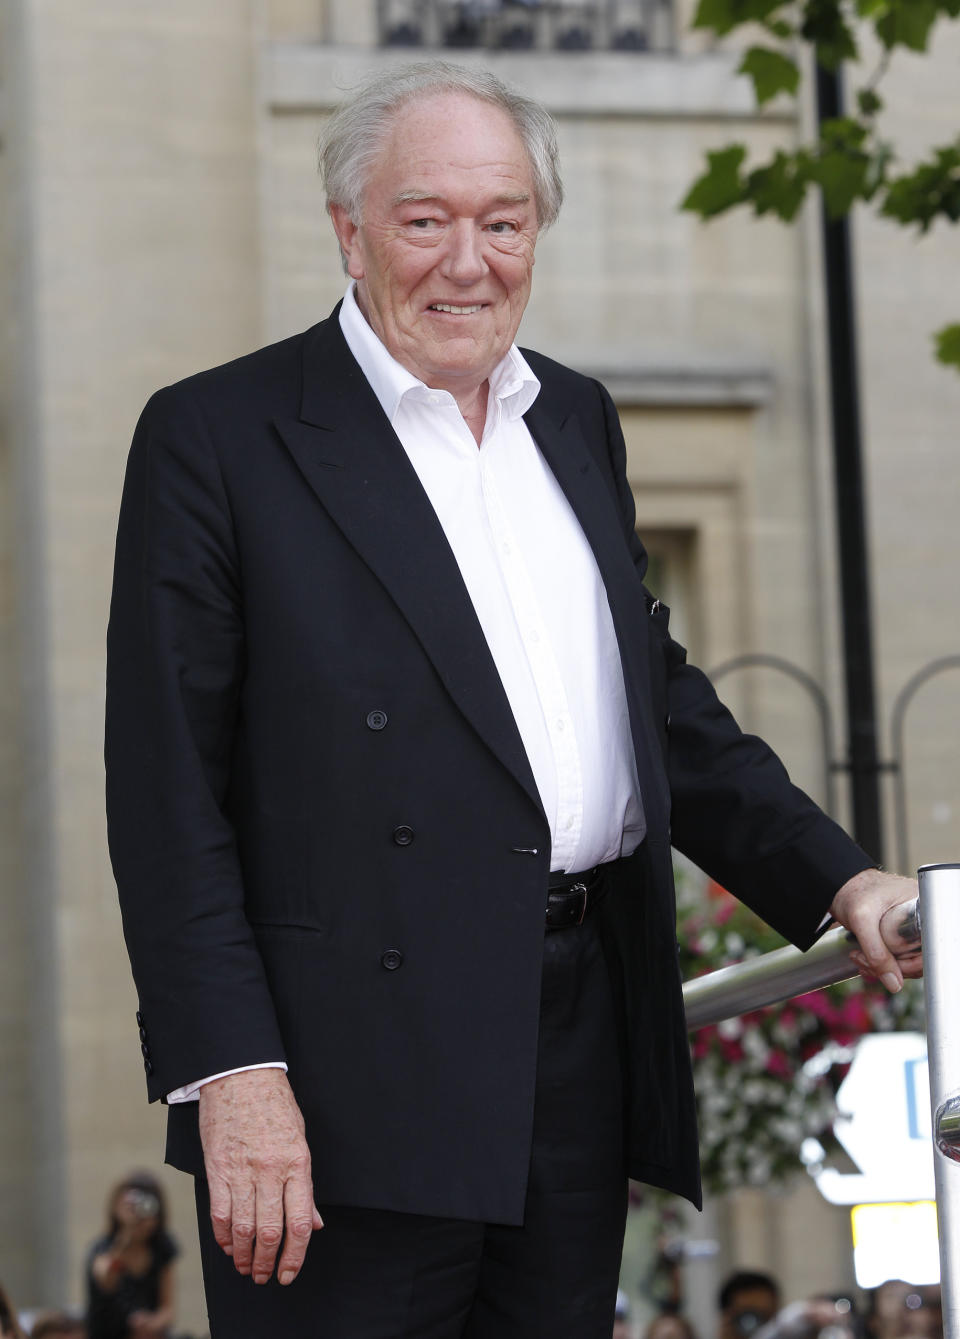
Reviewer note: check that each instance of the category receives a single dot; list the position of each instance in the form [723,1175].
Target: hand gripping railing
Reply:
[786,972]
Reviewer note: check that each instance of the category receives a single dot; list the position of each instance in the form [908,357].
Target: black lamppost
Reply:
[863,760]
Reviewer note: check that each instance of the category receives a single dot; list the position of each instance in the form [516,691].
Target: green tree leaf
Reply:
[780,187]
[721,186]
[725,15]
[771,72]
[907,23]
[869,102]
[929,190]
[880,159]
[947,344]
[784,30]
[842,164]
[825,25]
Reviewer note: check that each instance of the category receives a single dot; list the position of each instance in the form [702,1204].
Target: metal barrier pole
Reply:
[786,972]
[940,916]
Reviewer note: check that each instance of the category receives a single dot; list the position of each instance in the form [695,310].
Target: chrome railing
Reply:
[787,972]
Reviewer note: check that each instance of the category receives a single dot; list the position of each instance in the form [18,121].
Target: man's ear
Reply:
[348,236]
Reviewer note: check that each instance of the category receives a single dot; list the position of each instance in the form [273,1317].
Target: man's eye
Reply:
[501,227]
[420,223]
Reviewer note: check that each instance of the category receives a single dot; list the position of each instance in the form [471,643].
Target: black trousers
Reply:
[371,1274]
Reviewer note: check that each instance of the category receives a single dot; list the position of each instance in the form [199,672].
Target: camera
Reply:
[143,1203]
[746,1323]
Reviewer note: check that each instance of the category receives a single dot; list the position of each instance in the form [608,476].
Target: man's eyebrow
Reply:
[428,197]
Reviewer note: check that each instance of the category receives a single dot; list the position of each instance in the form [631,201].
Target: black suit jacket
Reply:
[326,835]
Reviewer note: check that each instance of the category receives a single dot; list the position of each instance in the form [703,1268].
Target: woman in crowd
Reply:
[130,1285]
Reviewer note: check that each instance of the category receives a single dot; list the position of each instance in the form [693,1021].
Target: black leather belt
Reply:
[572,897]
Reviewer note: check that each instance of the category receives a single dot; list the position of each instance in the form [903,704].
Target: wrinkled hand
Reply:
[866,905]
[258,1170]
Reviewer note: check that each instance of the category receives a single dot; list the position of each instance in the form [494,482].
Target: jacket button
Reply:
[139,1019]
[143,1034]
[147,1068]
[391,959]
[376,720]
[403,835]
[144,1050]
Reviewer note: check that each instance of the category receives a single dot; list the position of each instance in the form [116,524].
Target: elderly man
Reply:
[394,735]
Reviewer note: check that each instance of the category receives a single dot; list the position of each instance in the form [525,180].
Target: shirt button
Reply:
[561,725]
[569,824]
[403,835]
[391,959]
[376,720]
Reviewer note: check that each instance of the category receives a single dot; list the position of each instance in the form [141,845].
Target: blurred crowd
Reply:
[130,1294]
[750,1306]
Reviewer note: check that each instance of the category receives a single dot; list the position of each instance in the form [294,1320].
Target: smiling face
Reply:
[444,254]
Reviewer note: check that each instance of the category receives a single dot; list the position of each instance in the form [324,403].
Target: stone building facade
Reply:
[159,212]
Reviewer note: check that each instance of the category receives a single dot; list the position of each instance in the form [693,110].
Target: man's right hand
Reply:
[258,1171]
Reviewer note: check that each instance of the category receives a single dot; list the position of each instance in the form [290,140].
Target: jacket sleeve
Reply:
[734,810]
[175,666]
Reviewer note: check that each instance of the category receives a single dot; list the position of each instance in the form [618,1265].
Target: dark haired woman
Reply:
[130,1268]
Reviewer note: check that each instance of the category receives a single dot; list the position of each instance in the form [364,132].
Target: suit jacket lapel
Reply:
[561,441]
[354,462]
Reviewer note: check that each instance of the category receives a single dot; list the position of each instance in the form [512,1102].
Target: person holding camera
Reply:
[130,1281]
[746,1301]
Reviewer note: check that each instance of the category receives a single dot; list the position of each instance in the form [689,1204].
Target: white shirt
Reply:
[536,591]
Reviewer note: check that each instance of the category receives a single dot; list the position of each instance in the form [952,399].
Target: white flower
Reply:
[758,1172]
[755,1044]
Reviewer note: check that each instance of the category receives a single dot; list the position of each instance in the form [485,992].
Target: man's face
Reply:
[444,253]
[747,1311]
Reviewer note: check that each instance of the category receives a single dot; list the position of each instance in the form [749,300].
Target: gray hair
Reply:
[354,136]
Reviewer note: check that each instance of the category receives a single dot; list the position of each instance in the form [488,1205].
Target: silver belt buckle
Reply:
[580,888]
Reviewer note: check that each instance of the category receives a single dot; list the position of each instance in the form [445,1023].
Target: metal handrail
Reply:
[777,976]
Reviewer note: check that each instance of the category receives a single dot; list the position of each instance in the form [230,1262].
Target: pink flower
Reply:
[778,1065]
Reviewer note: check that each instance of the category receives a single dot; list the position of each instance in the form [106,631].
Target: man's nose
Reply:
[464,261]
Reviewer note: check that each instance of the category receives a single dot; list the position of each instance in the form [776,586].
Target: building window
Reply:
[528,25]
[671,577]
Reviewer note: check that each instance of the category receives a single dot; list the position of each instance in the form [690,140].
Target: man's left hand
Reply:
[867,905]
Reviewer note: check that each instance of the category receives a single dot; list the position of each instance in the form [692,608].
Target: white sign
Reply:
[895,1241]
[884,1123]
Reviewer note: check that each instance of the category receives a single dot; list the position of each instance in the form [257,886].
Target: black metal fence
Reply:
[528,25]
[894,766]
